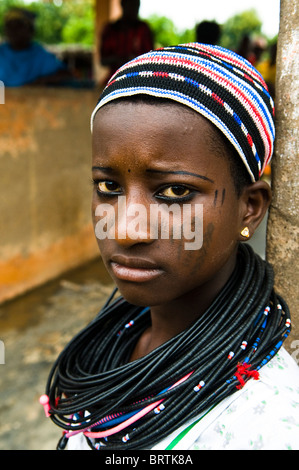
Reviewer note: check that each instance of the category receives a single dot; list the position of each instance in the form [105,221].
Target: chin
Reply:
[140,295]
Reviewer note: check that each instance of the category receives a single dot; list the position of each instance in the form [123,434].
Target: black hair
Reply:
[208,32]
[238,170]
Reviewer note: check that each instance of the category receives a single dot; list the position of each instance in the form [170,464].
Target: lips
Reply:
[134,269]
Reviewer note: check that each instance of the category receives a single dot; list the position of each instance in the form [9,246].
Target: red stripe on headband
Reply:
[233,59]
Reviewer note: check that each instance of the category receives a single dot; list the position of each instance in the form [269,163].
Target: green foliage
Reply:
[245,23]
[165,32]
[79,30]
[50,22]
[72,22]
[188,35]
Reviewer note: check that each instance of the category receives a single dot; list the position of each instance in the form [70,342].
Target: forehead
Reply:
[154,136]
[164,130]
[168,129]
[162,126]
[165,123]
[152,119]
[122,123]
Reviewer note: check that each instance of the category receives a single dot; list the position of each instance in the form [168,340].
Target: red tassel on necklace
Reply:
[242,369]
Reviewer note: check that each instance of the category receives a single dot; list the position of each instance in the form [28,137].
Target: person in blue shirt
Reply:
[22,60]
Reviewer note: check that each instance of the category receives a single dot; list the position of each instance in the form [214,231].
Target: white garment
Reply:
[264,414]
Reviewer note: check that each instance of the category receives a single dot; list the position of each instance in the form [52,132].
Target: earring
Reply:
[245,232]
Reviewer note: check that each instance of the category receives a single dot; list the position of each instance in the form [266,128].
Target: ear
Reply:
[255,200]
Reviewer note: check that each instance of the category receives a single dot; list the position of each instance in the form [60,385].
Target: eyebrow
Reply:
[167,172]
[103,168]
[188,173]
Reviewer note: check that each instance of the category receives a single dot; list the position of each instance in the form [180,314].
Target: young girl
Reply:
[187,356]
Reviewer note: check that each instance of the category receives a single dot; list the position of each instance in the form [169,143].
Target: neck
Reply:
[171,319]
[20,47]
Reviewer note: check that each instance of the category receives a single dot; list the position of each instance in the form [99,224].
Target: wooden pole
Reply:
[283,223]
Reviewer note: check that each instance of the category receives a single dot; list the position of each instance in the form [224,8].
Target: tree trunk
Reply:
[283,222]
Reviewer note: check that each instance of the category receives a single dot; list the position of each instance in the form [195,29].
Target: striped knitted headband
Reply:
[217,83]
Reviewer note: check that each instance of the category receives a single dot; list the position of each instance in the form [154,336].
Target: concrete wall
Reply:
[45,191]
[45,217]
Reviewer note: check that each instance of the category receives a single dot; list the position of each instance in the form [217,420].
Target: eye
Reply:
[107,187]
[175,192]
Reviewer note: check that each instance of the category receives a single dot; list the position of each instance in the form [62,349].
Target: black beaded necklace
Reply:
[117,404]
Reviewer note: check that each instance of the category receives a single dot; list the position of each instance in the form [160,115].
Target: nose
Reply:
[132,222]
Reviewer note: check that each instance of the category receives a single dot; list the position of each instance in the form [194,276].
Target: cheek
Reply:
[218,241]
[186,256]
[221,232]
[195,259]
[223,214]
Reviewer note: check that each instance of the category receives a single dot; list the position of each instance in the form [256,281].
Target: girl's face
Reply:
[156,156]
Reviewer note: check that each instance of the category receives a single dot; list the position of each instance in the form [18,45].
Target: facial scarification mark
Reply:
[223,196]
[215,197]
[201,253]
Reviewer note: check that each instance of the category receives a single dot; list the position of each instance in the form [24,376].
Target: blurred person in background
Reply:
[125,38]
[22,60]
[208,32]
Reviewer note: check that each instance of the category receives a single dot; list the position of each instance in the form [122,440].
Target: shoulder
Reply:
[143,25]
[264,414]
[112,27]
[46,60]
[6,49]
[282,369]
[39,49]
